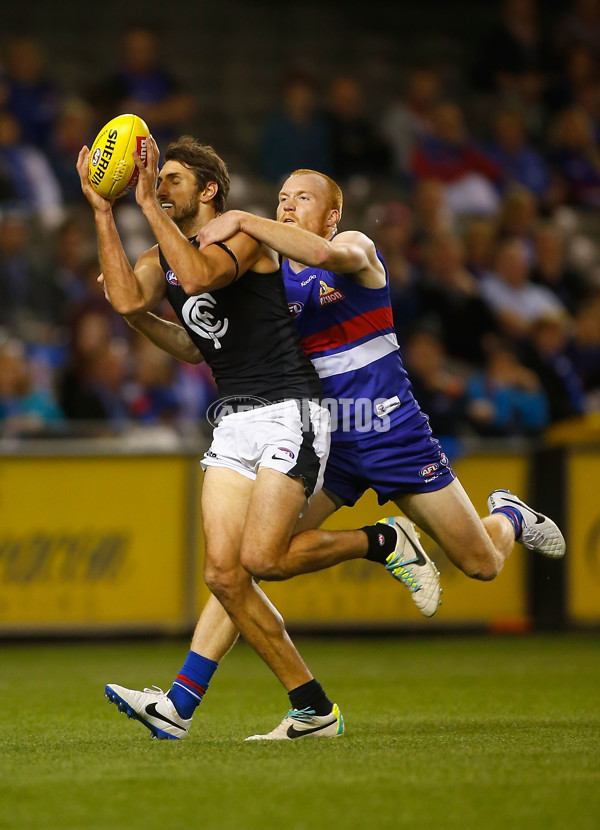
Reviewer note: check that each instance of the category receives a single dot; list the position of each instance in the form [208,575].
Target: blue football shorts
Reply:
[405,459]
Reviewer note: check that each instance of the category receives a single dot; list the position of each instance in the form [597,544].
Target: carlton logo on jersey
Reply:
[328,295]
[197,314]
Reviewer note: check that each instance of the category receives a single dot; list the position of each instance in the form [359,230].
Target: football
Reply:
[111,167]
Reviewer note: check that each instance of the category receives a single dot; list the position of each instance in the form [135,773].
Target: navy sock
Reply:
[514,515]
[383,539]
[311,695]
[190,685]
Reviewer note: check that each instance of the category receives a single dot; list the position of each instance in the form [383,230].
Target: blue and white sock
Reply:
[514,515]
[190,685]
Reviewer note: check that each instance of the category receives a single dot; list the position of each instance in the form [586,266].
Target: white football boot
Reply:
[303,723]
[410,565]
[539,533]
[152,708]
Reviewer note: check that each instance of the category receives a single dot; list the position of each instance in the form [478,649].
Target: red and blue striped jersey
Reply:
[347,330]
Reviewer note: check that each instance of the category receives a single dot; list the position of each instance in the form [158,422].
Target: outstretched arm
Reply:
[170,337]
[130,289]
[350,253]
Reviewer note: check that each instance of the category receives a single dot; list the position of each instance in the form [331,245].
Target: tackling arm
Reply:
[350,253]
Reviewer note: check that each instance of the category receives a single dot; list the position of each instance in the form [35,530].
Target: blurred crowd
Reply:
[483,199]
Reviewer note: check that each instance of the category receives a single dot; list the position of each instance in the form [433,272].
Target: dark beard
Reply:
[185,216]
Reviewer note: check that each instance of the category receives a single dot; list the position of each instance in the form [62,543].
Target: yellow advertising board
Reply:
[361,593]
[583,541]
[93,543]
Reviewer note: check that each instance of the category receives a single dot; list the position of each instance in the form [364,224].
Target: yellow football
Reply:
[111,167]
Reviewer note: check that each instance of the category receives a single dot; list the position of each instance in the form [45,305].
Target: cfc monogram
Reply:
[197,313]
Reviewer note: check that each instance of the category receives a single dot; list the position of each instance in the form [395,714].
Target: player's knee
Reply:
[480,566]
[224,583]
[262,564]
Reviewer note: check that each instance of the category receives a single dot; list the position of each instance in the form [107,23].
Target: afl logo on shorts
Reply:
[283,454]
[429,470]
[197,314]
[295,308]
[171,278]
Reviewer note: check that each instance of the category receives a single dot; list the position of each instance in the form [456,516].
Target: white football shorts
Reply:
[290,436]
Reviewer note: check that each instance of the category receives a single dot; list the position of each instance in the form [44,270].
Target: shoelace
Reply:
[303,715]
[400,570]
[155,690]
[533,537]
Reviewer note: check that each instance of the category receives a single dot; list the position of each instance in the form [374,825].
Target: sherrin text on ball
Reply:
[112,170]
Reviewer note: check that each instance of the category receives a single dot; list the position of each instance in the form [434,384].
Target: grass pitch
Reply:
[442,733]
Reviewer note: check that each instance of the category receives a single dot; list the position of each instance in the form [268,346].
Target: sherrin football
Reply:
[111,167]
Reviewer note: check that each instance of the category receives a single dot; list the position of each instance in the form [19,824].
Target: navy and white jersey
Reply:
[347,330]
[247,336]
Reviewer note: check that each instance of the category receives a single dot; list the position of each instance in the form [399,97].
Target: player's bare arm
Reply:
[350,253]
[130,290]
[197,271]
[168,336]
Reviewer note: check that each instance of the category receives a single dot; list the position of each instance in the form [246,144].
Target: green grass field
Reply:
[441,732]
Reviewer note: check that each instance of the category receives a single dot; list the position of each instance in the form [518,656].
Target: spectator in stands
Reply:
[34,98]
[72,253]
[91,386]
[25,409]
[356,148]
[584,348]
[74,127]
[481,237]
[29,179]
[23,296]
[553,271]
[576,159]
[580,27]
[515,59]
[545,353]
[518,219]
[439,389]
[506,398]
[581,68]
[519,162]
[295,135]
[151,394]
[409,118]
[432,215]
[516,302]
[450,299]
[393,233]
[451,157]
[143,85]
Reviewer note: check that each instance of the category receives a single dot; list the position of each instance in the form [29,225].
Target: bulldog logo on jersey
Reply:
[328,295]
[197,314]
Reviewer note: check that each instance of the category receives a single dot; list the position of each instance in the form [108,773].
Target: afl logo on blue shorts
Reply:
[171,278]
[429,470]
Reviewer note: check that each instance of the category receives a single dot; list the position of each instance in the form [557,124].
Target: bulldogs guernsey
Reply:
[347,331]
[247,337]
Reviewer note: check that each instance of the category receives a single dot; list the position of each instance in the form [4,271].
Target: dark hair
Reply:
[205,164]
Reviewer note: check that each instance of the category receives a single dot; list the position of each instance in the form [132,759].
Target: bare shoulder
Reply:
[252,254]
[364,266]
[149,258]
[353,238]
